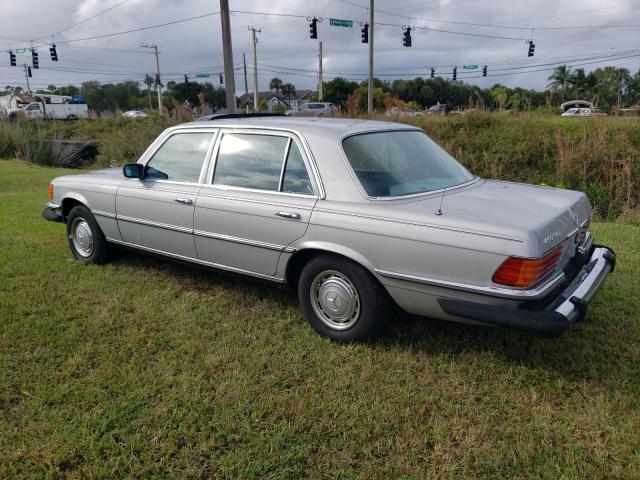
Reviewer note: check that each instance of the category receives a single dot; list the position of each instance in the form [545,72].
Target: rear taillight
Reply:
[525,272]
[50,191]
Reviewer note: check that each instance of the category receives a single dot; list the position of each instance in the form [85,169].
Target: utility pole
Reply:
[370,90]
[228,56]
[320,95]
[246,85]
[255,68]
[26,75]
[158,87]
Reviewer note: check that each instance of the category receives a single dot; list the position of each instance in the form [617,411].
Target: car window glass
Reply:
[180,158]
[250,161]
[296,179]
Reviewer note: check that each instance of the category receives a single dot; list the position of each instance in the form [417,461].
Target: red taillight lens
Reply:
[50,191]
[525,272]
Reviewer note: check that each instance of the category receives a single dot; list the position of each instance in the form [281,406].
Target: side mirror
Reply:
[133,170]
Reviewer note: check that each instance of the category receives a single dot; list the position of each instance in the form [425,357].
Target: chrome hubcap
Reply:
[335,300]
[82,237]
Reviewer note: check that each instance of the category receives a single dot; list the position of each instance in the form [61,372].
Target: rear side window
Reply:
[180,158]
[295,178]
[257,161]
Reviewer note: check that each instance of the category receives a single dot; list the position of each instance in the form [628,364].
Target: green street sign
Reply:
[336,22]
[202,75]
[21,51]
[470,67]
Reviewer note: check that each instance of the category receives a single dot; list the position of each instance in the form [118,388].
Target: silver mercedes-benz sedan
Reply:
[358,216]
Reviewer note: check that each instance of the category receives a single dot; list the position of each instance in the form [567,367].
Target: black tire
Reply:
[81,220]
[327,275]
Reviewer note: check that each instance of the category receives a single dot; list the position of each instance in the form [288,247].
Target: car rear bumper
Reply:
[550,320]
[52,213]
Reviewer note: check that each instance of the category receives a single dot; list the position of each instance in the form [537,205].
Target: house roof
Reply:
[270,95]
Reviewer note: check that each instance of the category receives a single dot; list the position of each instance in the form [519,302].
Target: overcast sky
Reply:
[285,50]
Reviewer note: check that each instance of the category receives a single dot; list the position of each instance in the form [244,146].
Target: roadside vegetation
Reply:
[149,369]
[597,155]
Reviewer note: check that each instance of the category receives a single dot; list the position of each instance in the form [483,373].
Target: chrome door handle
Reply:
[288,215]
[186,201]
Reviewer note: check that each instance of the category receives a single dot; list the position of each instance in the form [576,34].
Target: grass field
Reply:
[148,369]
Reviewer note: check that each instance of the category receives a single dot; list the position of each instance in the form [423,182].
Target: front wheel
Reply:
[341,300]
[86,240]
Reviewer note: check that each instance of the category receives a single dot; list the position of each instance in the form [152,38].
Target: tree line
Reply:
[607,88]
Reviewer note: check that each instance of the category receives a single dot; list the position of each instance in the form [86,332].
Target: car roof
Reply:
[335,127]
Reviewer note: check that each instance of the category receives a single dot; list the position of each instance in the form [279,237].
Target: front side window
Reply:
[395,163]
[180,158]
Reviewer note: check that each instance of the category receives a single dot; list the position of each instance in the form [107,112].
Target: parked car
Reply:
[577,112]
[135,114]
[313,109]
[437,109]
[356,215]
[401,112]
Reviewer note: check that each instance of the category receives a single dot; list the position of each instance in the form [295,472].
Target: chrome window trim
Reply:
[147,156]
[203,193]
[361,189]
[254,190]
[200,262]
[291,135]
[201,233]
[284,165]
[524,294]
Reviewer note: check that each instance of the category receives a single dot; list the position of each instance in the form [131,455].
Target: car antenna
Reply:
[439,212]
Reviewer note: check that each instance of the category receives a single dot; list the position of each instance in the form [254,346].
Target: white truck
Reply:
[44,106]
[64,111]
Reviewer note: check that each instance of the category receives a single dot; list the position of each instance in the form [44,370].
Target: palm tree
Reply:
[499,95]
[275,84]
[560,79]
[52,88]
[148,81]
[288,89]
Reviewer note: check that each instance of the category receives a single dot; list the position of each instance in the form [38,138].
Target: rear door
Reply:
[257,200]
[157,212]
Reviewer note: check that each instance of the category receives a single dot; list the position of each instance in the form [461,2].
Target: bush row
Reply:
[597,155]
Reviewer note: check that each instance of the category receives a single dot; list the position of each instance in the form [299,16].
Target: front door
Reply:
[157,212]
[256,202]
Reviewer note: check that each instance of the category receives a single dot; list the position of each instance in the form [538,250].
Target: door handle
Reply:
[186,201]
[293,215]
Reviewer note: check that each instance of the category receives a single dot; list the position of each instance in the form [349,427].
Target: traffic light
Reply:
[484,71]
[157,80]
[455,73]
[29,72]
[406,41]
[186,79]
[53,52]
[313,28]
[34,58]
[365,33]
[12,58]
[532,48]
[221,78]
[433,72]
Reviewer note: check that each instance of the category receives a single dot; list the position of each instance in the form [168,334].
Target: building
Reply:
[287,102]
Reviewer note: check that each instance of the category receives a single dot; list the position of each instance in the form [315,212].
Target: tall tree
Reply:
[275,84]
[500,95]
[560,79]
[288,89]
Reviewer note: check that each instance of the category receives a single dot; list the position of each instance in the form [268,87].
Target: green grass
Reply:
[148,369]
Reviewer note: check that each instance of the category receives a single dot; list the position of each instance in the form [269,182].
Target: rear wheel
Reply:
[341,300]
[86,240]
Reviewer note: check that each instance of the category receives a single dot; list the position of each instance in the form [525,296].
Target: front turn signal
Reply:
[50,191]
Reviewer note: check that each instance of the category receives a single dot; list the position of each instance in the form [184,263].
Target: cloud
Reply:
[285,50]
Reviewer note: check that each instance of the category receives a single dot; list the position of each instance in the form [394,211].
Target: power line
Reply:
[91,17]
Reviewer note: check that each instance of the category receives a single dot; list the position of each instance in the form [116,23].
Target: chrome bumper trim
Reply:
[528,294]
[586,284]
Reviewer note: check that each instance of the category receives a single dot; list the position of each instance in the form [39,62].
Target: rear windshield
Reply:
[395,163]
